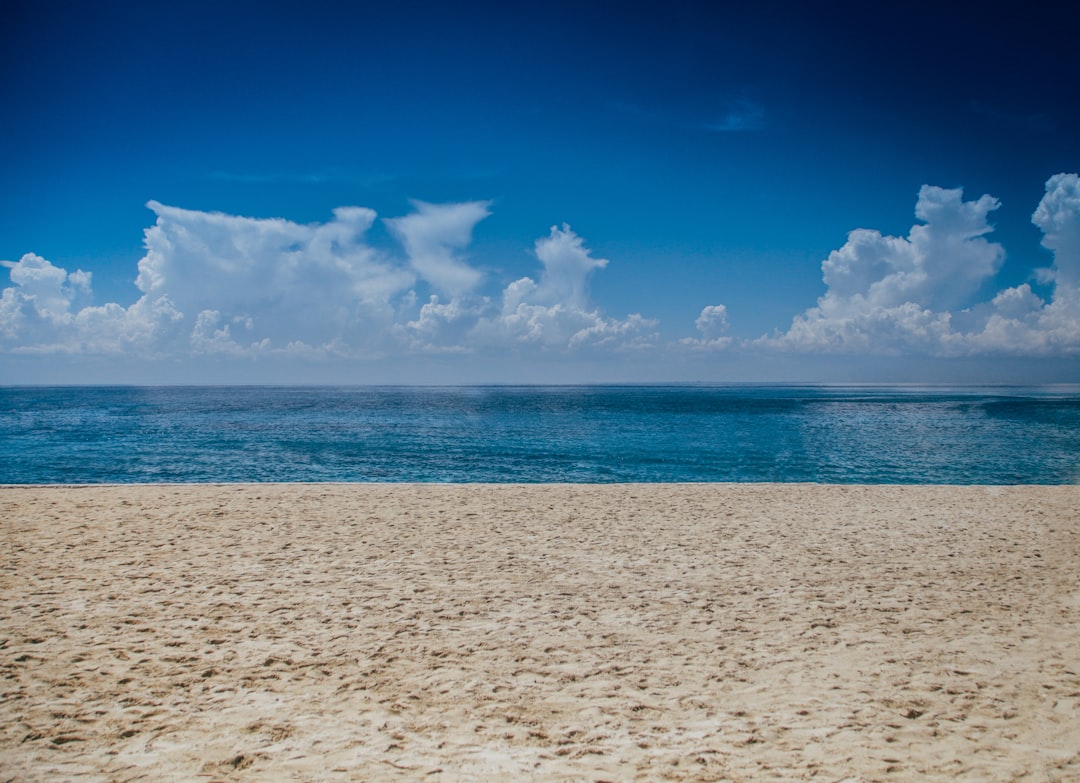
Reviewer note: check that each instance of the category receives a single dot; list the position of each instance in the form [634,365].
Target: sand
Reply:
[455,633]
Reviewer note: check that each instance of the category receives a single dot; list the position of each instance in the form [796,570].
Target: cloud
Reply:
[443,327]
[271,279]
[553,314]
[433,234]
[567,265]
[1017,321]
[47,310]
[939,264]
[1058,215]
[221,284]
[228,286]
[896,295]
[39,303]
[42,294]
[712,324]
[1053,327]
[556,312]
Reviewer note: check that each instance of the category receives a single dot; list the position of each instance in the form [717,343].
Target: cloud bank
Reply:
[898,295]
[217,284]
[222,285]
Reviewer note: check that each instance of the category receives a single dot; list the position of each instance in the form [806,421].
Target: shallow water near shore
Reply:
[575,434]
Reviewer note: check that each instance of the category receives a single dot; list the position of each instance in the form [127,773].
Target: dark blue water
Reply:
[540,434]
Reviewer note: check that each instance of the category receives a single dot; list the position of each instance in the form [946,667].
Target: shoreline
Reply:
[694,631]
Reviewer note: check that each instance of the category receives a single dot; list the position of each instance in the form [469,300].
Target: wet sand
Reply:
[568,632]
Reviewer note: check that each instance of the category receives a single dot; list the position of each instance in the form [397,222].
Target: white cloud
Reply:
[567,265]
[433,234]
[285,282]
[219,284]
[222,285]
[1019,321]
[896,295]
[145,327]
[41,313]
[226,286]
[563,327]
[43,291]
[553,314]
[49,289]
[211,336]
[712,323]
[939,264]
[633,333]
[1058,215]
[443,327]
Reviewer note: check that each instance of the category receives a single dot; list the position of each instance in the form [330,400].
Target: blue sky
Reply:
[589,191]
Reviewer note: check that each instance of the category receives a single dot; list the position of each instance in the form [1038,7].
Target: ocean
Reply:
[824,434]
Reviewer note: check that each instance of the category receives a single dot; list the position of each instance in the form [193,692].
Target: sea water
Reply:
[991,435]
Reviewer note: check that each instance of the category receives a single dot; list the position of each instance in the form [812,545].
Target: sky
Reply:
[418,192]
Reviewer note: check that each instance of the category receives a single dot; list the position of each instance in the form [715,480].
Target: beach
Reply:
[698,632]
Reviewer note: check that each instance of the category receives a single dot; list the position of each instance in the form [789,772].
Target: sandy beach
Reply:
[547,632]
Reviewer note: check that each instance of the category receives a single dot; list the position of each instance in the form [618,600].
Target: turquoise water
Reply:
[998,435]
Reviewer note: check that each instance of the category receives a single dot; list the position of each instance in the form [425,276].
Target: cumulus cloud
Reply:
[48,289]
[270,282]
[567,265]
[712,324]
[938,265]
[1058,215]
[433,236]
[894,294]
[553,313]
[47,310]
[223,285]
[228,286]
[1054,326]
[556,310]
[444,327]
[39,301]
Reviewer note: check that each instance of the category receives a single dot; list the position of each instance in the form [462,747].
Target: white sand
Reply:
[453,633]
